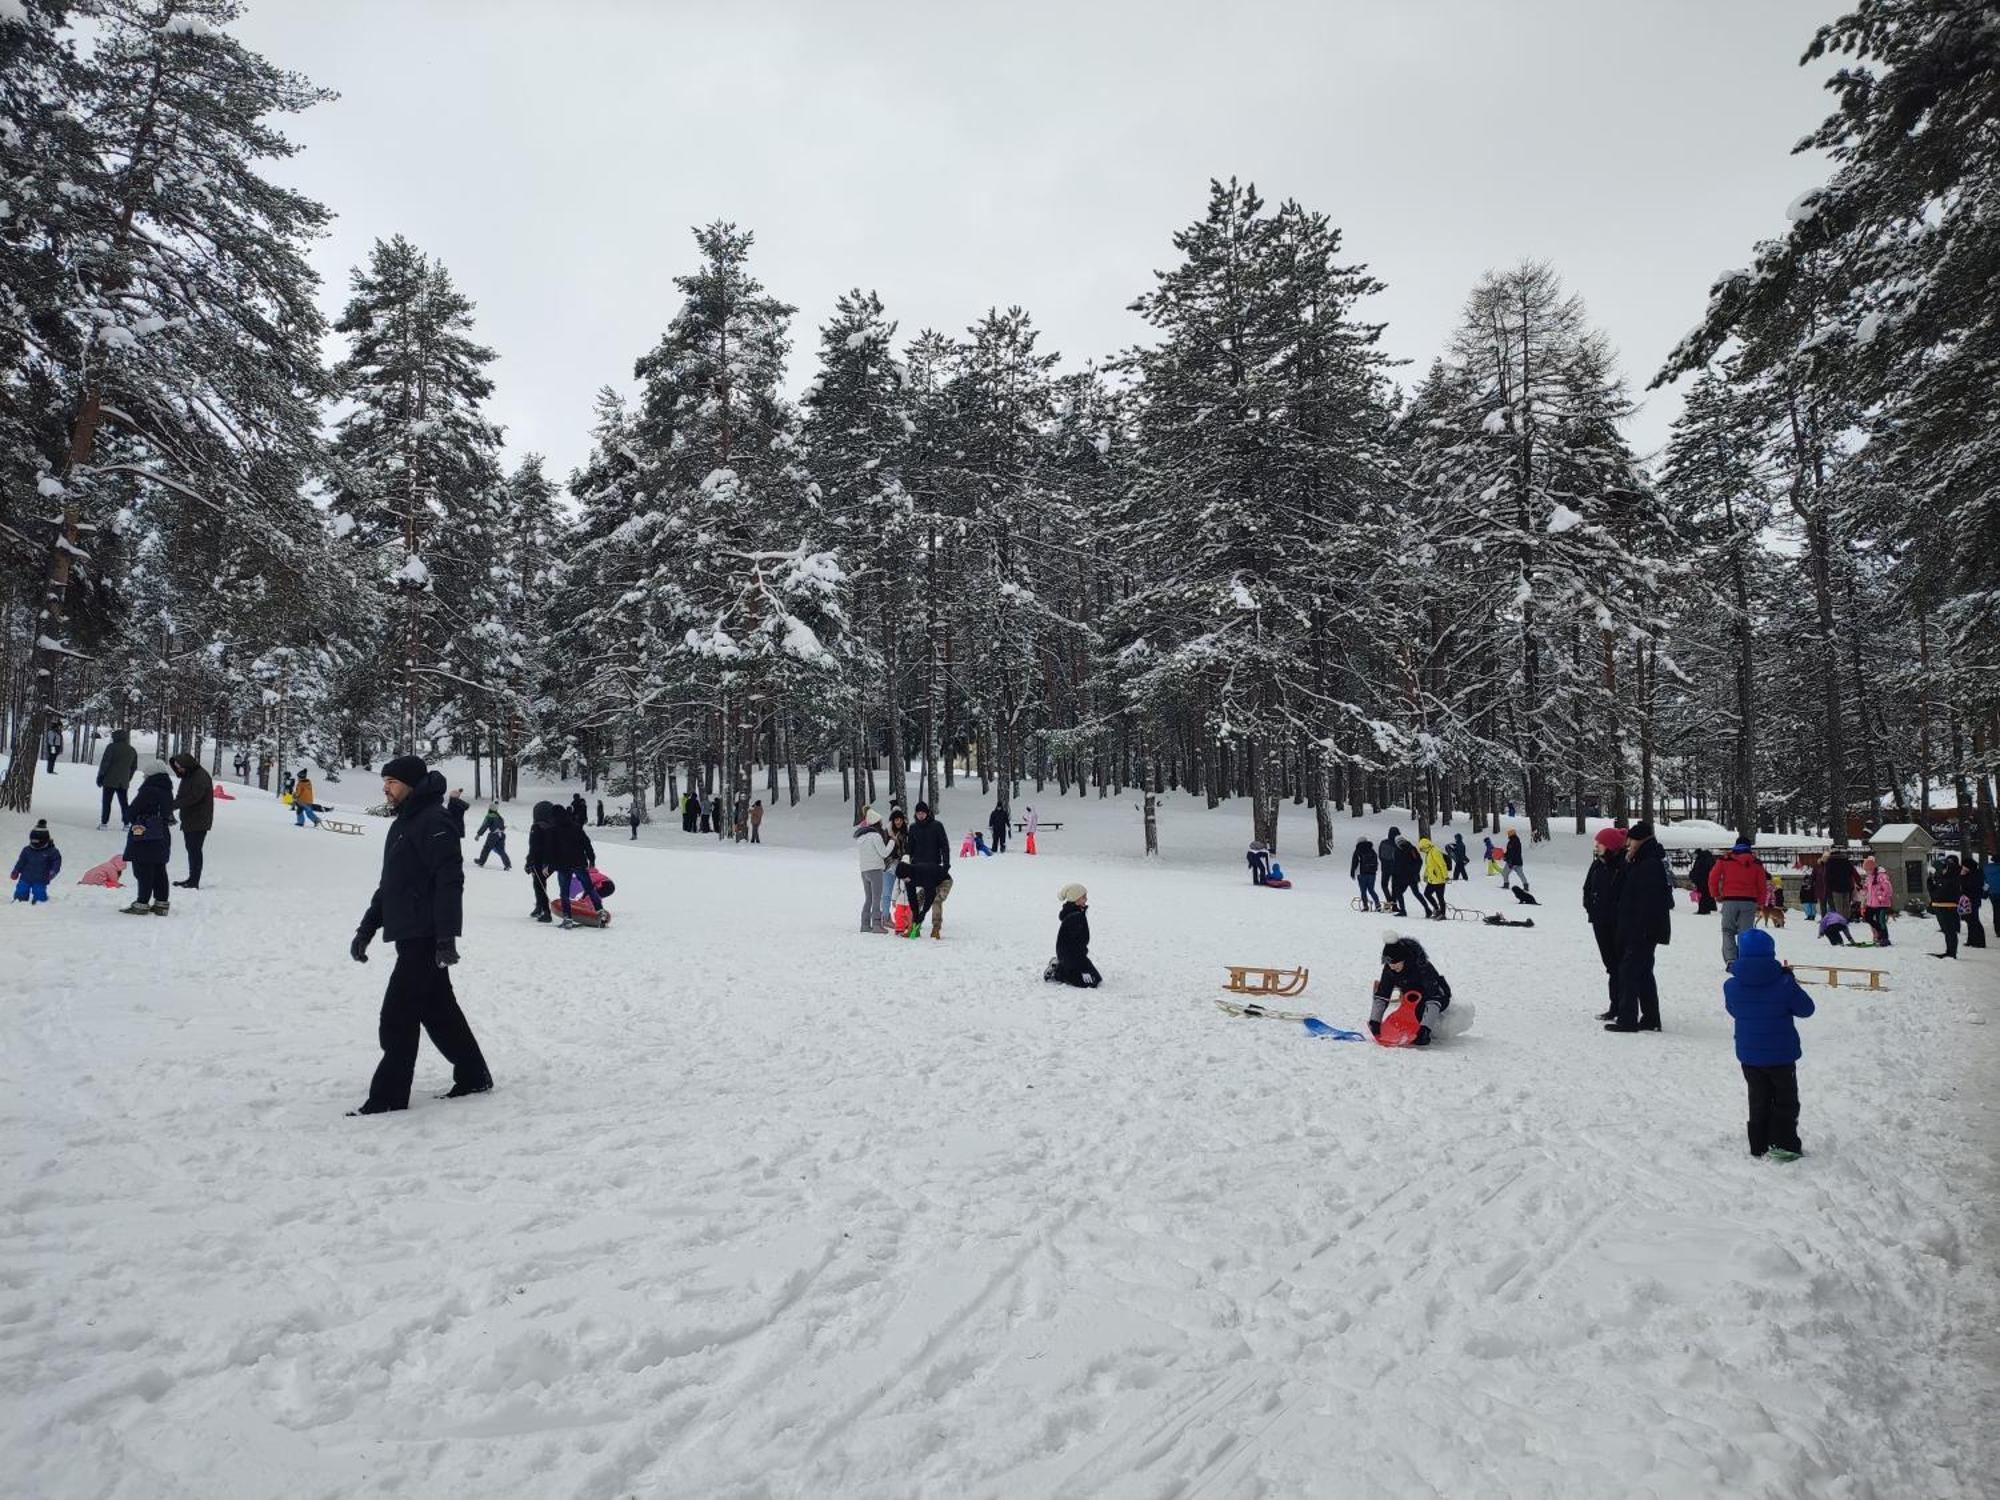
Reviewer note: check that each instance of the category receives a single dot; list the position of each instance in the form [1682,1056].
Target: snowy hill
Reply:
[764,1206]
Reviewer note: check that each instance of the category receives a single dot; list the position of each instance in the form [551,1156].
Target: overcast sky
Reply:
[955,156]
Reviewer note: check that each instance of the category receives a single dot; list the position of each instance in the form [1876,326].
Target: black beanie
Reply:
[408,769]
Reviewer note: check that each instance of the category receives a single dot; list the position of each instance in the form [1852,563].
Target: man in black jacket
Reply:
[418,908]
[1385,854]
[1645,915]
[194,801]
[996,824]
[539,859]
[929,850]
[571,856]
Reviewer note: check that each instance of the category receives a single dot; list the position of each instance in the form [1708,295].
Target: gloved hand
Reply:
[358,949]
[1375,1028]
[447,952]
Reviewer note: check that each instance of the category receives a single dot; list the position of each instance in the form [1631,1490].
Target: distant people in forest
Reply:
[632,815]
[1459,858]
[1385,856]
[52,743]
[757,821]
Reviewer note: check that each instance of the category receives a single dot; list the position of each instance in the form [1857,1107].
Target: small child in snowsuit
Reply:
[1832,927]
[1072,964]
[1766,1001]
[40,862]
[1407,973]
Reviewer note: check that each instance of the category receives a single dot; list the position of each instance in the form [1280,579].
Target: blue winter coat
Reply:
[1765,999]
[38,865]
[153,810]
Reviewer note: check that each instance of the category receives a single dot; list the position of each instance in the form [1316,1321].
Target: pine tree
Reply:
[185,329]
[417,464]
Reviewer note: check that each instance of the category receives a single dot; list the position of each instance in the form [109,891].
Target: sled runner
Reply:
[1246,979]
[336,825]
[1258,1013]
[1834,971]
[1455,913]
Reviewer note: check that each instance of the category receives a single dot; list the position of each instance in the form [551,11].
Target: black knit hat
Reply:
[408,769]
[39,834]
[1643,829]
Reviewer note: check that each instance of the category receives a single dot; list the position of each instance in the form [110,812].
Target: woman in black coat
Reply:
[1704,864]
[149,840]
[1072,964]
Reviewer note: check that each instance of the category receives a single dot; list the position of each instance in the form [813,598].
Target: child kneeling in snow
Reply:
[1072,964]
[1407,971]
[40,862]
[1832,927]
[1766,1001]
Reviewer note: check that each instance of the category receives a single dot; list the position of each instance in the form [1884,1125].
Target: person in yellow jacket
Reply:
[1437,871]
[302,800]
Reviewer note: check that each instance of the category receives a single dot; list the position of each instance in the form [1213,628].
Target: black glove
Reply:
[358,949]
[447,952]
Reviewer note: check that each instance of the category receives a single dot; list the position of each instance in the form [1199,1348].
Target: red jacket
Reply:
[1738,877]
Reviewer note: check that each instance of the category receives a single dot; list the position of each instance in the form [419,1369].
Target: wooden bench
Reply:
[337,825]
[1248,979]
[1834,971]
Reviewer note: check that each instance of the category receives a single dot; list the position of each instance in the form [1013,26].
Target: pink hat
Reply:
[1611,840]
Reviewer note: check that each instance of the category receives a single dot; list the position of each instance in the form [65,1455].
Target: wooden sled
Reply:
[1258,1012]
[1834,971]
[1247,979]
[337,825]
[1456,913]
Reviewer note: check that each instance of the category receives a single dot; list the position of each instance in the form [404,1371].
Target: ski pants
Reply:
[32,892]
[1397,890]
[104,811]
[1434,899]
[1878,921]
[304,810]
[1083,976]
[1774,1107]
[1638,991]
[1947,920]
[1975,930]
[152,878]
[1458,868]
[1367,883]
[999,845]
[194,838]
[496,843]
[871,899]
[420,998]
[1607,952]
[1738,917]
[1428,1010]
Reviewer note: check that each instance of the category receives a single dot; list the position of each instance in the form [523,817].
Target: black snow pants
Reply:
[1607,951]
[1774,1107]
[420,998]
[1638,992]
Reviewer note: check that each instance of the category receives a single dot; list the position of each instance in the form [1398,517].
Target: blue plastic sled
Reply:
[1315,1026]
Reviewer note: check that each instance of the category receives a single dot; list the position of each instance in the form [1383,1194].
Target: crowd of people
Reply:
[1425,868]
[741,817]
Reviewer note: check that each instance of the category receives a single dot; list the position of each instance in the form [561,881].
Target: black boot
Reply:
[1623,1026]
[1423,1036]
[372,1108]
[460,1090]
[1607,1015]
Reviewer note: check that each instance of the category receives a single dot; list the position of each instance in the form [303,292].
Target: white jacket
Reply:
[872,845]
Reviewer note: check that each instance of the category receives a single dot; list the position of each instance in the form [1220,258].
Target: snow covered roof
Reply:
[1899,833]
[1703,833]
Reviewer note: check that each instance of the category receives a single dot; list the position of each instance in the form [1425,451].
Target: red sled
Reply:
[223,794]
[1399,1027]
[1277,885]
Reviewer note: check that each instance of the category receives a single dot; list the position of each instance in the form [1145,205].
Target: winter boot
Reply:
[159,908]
[1779,1153]
[565,925]
[372,1108]
[1423,1036]
[137,909]
[461,1090]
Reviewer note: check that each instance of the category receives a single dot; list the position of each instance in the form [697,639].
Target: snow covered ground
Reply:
[765,1207]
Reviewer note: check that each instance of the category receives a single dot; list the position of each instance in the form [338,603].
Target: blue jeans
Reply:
[304,811]
[582,878]
[36,892]
[1367,884]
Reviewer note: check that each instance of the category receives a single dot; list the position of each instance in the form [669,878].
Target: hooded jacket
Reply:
[539,823]
[1765,1000]
[422,893]
[40,860]
[1436,870]
[1646,899]
[1738,876]
[569,846]
[151,809]
[1409,863]
[194,801]
[1385,853]
[873,845]
[1877,889]
[1513,850]
[1072,937]
[1364,861]
[115,768]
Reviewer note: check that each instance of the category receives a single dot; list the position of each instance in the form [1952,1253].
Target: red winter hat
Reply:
[1611,840]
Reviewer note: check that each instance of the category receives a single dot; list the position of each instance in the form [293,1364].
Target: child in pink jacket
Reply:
[1878,897]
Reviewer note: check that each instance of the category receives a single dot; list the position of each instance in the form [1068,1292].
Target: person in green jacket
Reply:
[114,774]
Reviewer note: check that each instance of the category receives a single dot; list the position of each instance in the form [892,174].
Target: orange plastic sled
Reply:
[1399,1027]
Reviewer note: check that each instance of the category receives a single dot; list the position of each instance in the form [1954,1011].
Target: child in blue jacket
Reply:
[40,862]
[1766,1001]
